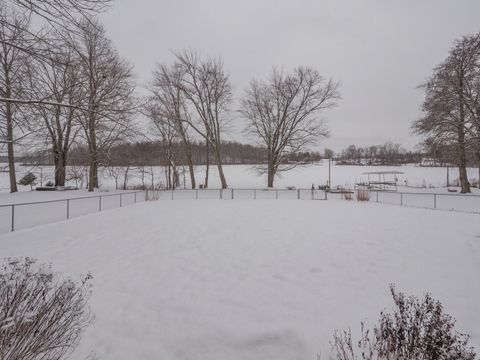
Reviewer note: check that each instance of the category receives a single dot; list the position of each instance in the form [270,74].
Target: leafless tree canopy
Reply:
[207,89]
[14,81]
[451,105]
[61,83]
[106,115]
[58,11]
[284,113]
[167,108]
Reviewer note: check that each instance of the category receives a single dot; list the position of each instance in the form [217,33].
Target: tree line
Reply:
[64,87]
[389,154]
[153,153]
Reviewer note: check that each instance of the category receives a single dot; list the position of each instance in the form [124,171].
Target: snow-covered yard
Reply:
[254,279]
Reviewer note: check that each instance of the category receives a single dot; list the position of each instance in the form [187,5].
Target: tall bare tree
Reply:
[447,119]
[171,103]
[207,88]
[284,113]
[60,82]
[13,78]
[106,116]
[162,123]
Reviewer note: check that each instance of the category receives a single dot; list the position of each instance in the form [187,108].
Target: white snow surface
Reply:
[254,279]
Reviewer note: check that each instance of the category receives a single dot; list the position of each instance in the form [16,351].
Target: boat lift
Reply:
[383,183]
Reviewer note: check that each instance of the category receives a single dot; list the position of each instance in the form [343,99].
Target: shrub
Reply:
[363,195]
[28,179]
[417,329]
[41,314]
[347,196]
[49,184]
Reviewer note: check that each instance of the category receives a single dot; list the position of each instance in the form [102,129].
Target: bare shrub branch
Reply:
[41,314]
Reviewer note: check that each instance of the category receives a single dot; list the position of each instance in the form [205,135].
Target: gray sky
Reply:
[379,50]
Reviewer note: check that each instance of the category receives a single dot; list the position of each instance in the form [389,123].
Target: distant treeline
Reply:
[157,154]
[391,154]
[385,154]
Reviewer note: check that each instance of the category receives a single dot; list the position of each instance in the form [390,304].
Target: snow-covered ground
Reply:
[245,176]
[254,279]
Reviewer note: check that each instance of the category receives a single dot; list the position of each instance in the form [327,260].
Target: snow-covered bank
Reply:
[254,279]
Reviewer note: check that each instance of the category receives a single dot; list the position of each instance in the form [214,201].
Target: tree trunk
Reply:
[270,169]
[10,150]
[207,169]
[93,155]
[462,156]
[125,178]
[60,163]
[10,147]
[220,167]
[270,175]
[188,156]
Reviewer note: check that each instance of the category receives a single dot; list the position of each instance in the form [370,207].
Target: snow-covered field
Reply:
[245,176]
[254,279]
[241,178]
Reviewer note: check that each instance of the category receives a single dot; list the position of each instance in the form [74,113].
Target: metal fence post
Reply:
[68,209]
[298,194]
[326,197]
[135,198]
[172,194]
[232,194]
[221,191]
[13,217]
[254,194]
[377,196]
[120,200]
[401,199]
[100,203]
[196,194]
[434,201]
[312,193]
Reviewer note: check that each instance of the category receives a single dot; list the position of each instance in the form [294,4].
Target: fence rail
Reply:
[231,194]
[28,214]
[453,202]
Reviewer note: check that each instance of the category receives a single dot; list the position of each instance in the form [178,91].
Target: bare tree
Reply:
[106,115]
[446,117]
[60,82]
[207,88]
[171,101]
[169,138]
[284,113]
[13,76]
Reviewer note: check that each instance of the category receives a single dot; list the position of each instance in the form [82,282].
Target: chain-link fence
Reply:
[24,215]
[232,194]
[453,202]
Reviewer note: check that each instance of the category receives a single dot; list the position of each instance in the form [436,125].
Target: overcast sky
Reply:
[379,50]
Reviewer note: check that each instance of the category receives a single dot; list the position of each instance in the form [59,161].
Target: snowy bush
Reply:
[41,314]
[417,329]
